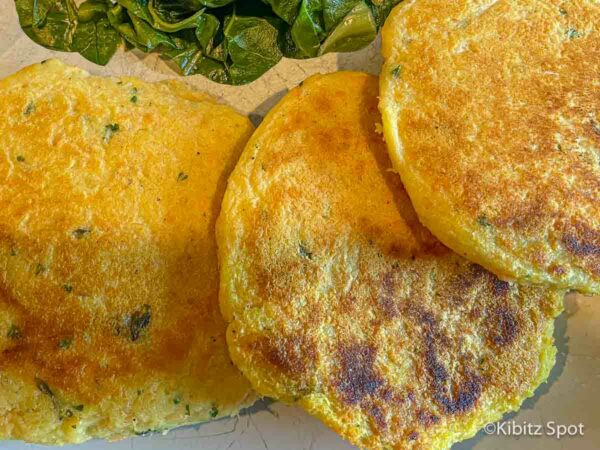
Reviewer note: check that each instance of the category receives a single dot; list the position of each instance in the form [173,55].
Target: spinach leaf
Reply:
[354,32]
[96,40]
[92,10]
[286,9]
[227,41]
[252,47]
[307,31]
[335,10]
[50,23]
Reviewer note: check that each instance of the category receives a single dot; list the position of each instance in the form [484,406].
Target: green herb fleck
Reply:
[39,269]
[109,131]
[304,252]
[139,392]
[177,400]
[65,343]
[138,321]
[187,410]
[134,98]
[397,71]
[43,387]
[214,412]
[29,109]
[78,407]
[14,333]
[144,433]
[483,221]
[68,288]
[559,147]
[20,158]
[562,11]
[182,176]
[80,233]
[572,33]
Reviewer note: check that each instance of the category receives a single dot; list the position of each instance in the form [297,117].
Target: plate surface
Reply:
[571,396]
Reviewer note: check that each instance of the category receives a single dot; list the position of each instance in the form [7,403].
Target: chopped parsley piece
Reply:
[304,252]
[78,407]
[29,109]
[20,158]
[79,233]
[182,176]
[134,98]
[187,410]
[65,343]
[214,412]
[14,333]
[138,321]
[43,387]
[397,71]
[483,221]
[109,131]
[177,400]
[68,288]
[572,33]
[39,269]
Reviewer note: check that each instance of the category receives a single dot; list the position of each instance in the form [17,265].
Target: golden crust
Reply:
[339,300]
[109,317]
[491,117]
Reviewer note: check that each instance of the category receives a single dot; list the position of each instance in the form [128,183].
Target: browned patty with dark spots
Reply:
[343,303]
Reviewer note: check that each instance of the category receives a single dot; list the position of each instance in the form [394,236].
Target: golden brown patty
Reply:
[491,115]
[109,317]
[339,300]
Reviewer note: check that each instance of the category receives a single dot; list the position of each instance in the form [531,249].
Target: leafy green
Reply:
[96,40]
[356,30]
[227,41]
[252,47]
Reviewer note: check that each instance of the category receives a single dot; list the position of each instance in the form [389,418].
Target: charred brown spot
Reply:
[294,355]
[387,303]
[378,417]
[504,327]
[453,397]
[581,240]
[357,378]
[501,288]
[426,418]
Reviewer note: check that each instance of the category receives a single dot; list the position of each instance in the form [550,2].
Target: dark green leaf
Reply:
[354,32]
[97,41]
[307,31]
[139,321]
[14,333]
[286,9]
[335,10]
[252,46]
[92,10]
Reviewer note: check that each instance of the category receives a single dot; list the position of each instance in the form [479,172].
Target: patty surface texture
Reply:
[109,313]
[340,301]
[491,114]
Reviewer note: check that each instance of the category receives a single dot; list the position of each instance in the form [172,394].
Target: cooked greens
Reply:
[227,41]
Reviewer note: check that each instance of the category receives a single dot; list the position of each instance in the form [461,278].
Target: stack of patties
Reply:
[109,317]
[338,298]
